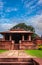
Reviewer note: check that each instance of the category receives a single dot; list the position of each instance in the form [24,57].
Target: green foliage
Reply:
[34,35]
[37,53]
[1,51]
[40,47]
[23,26]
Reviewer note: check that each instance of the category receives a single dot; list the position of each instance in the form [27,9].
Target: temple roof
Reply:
[17,31]
[38,38]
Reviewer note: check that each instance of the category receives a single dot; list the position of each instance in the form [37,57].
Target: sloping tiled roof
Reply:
[17,31]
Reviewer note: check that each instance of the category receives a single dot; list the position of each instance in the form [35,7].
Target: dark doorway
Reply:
[16,37]
[7,37]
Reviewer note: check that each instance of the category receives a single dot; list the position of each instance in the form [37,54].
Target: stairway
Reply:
[17,61]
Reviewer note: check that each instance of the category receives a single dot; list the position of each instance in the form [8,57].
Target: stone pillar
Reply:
[10,38]
[22,37]
[12,45]
[19,44]
[19,41]
[29,37]
[4,37]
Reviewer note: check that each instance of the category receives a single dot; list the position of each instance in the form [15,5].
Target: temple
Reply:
[17,39]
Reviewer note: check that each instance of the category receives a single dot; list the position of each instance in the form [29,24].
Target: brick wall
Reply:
[5,45]
[38,41]
[27,45]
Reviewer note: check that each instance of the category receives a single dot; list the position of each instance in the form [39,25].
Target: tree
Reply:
[25,27]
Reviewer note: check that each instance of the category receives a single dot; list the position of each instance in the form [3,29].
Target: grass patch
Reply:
[37,53]
[1,51]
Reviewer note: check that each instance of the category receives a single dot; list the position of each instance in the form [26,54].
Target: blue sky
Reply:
[13,12]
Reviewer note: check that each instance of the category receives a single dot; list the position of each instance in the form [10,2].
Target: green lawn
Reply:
[1,51]
[37,53]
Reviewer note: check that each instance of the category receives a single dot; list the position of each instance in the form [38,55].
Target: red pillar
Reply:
[22,37]
[12,47]
[10,38]
[29,37]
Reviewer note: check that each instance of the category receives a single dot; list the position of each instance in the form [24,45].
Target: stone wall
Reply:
[27,45]
[9,45]
[5,45]
[38,42]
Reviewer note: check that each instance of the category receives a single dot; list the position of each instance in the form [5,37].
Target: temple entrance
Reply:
[16,38]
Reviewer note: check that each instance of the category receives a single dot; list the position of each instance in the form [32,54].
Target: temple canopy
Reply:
[17,31]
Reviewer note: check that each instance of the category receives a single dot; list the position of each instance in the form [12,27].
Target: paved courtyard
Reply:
[15,54]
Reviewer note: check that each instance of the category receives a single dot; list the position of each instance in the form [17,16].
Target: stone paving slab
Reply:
[15,54]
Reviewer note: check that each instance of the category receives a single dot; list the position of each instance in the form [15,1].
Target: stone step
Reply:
[17,61]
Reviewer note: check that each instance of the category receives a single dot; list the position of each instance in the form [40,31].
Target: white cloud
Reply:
[1,5]
[6,24]
[11,9]
[28,4]
[40,1]
[36,22]
[32,5]
[15,9]
[4,20]
[8,10]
